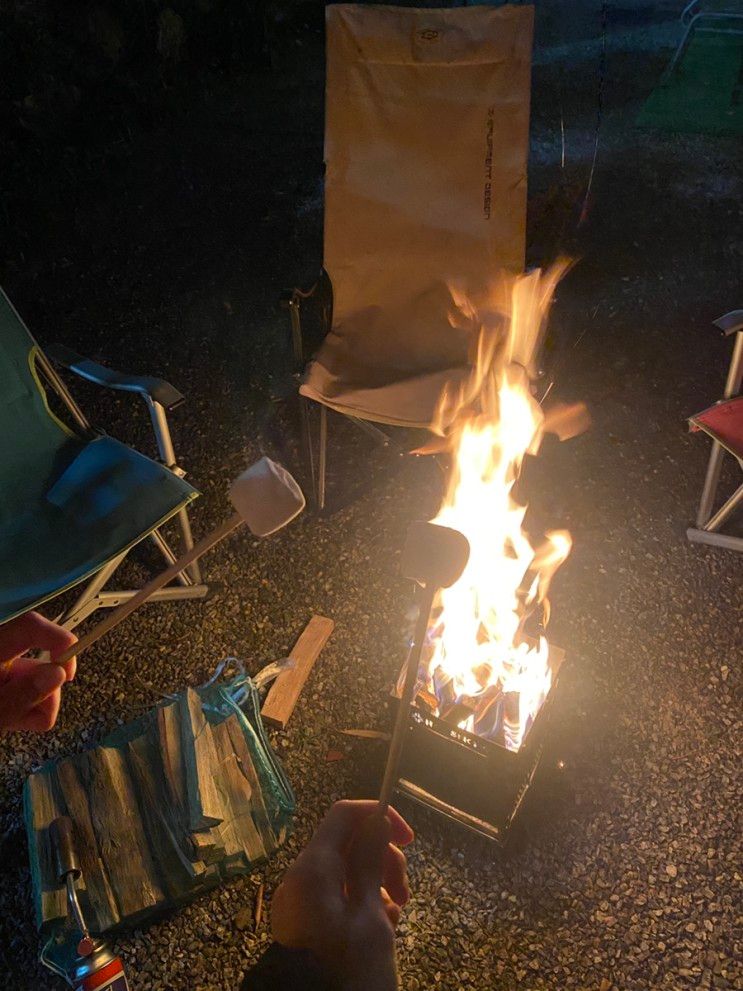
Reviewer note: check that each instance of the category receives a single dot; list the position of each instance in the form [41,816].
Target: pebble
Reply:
[244,918]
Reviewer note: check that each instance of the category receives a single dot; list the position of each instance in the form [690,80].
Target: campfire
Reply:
[482,672]
[487,667]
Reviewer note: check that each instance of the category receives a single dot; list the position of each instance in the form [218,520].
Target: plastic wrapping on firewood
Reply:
[165,856]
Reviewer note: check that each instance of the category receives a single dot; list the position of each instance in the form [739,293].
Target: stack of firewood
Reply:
[178,803]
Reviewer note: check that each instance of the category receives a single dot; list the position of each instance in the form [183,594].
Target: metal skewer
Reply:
[266,498]
[435,557]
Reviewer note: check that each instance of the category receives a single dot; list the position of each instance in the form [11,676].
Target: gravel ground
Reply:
[167,255]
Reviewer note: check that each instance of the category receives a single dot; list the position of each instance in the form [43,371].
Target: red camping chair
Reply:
[724,424]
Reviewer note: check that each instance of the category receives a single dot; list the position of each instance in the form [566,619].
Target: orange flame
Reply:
[490,422]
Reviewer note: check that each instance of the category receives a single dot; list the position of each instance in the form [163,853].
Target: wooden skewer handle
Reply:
[127,608]
[394,754]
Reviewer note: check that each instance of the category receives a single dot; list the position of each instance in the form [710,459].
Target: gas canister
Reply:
[99,970]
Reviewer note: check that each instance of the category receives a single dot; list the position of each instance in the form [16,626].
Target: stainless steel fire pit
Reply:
[468,778]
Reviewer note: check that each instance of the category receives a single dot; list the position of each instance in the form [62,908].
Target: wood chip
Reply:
[283,694]
[333,755]
[366,734]
[259,906]
[200,760]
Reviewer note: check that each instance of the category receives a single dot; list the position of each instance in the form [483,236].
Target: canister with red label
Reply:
[100,970]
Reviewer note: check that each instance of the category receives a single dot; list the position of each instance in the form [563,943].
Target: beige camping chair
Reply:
[426,140]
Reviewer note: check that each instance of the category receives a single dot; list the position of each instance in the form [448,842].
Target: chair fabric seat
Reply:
[404,401]
[724,423]
[102,499]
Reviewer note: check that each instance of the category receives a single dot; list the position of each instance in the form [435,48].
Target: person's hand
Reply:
[31,689]
[342,898]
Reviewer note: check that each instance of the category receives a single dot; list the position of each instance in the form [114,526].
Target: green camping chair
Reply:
[73,501]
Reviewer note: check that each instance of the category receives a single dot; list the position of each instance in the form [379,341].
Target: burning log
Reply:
[484,678]
[467,771]
[481,667]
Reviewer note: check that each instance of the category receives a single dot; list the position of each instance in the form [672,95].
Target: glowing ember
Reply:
[482,674]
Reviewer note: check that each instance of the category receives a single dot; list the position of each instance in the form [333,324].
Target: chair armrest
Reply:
[154,389]
[731,322]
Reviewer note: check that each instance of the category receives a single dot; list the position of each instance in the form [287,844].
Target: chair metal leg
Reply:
[374,432]
[319,478]
[79,609]
[161,428]
[726,510]
[305,406]
[735,372]
[715,539]
[322,457]
[184,522]
[714,467]
[93,598]
[110,600]
[167,552]
[171,593]
[707,523]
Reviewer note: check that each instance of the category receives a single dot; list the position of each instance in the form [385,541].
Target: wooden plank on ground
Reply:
[200,759]
[46,804]
[97,900]
[283,694]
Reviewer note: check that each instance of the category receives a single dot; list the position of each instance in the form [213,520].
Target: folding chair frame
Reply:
[160,398]
[709,522]
[293,299]
[695,18]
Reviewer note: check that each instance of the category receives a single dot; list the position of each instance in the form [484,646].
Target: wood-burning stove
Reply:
[469,778]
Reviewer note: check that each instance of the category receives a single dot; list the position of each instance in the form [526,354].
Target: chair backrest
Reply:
[426,141]
[34,443]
